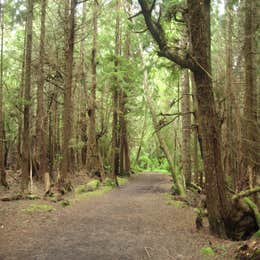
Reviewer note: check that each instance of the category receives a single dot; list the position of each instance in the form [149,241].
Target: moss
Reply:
[257,234]
[99,192]
[121,180]
[109,182]
[256,254]
[32,197]
[207,252]
[92,185]
[169,200]
[80,189]
[253,207]
[38,208]
[65,203]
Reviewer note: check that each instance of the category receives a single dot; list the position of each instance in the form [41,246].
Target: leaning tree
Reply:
[226,215]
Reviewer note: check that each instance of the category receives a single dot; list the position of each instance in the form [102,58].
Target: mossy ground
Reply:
[81,192]
[207,252]
[169,200]
[34,208]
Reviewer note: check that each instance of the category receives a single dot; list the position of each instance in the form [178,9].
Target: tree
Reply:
[186,127]
[198,60]
[94,161]
[41,119]
[115,99]
[70,7]
[250,135]
[123,133]
[84,86]
[26,145]
[2,166]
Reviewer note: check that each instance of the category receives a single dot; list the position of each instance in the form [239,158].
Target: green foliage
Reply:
[152,163]
[207,252]
[38,208]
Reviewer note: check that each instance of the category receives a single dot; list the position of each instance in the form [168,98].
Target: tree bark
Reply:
[83,112]
[94,160]
[64,182]
[250,134]
[41,118]
[2,164]
[115,100]
[26,155]
[186,128]
[124,146]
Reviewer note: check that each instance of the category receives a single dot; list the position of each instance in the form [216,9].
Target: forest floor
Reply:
[135,221]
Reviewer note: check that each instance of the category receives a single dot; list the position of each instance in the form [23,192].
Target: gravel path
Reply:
[132,222]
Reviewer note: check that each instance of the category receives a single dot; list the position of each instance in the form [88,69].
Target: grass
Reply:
[34,208]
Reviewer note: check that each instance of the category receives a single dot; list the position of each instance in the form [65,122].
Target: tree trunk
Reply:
[250,135]
[142,136]
[94,160]
[83,112]
[64,182]
[115,123]
[217,202]
[124,146]
[2,165]
[41,118]
[26,157]
[186,128]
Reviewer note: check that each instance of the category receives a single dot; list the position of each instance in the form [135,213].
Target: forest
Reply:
[138,98]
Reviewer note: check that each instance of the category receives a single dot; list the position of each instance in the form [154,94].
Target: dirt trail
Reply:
[132,222]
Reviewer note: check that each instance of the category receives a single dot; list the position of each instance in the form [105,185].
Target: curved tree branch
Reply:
[159,36]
